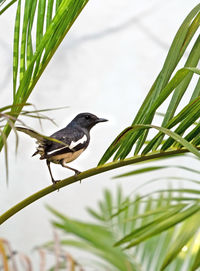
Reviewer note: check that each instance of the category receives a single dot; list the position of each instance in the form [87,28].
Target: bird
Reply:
[65,145]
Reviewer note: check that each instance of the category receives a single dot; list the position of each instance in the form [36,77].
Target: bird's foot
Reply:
[55,182]
[77,172]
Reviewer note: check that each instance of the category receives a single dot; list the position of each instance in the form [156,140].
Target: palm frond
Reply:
[51,20]
[157,168]
[8,115]
[3,9]
[95,238]
[156,231]
[29,63]
[170,81]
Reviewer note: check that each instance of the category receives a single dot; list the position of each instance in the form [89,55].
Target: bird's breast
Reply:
[67,157]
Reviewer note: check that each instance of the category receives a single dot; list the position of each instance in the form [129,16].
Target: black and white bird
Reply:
[75,138]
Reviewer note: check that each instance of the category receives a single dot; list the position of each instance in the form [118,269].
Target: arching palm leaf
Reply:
[160,231]
[51,20]
[167,83]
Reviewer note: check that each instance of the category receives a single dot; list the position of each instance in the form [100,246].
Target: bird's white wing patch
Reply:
[56,150]
[71,146]
[76,143]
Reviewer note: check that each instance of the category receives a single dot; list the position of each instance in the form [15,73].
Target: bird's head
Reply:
[86,120]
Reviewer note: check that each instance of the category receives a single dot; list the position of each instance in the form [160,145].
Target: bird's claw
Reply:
[77,172]
[55,182]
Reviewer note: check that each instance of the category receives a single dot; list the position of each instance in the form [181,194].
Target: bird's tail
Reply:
[40,139]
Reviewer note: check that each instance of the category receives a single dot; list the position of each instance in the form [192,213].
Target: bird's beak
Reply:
[101,120]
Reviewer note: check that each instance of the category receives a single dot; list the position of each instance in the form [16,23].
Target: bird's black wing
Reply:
[74,138]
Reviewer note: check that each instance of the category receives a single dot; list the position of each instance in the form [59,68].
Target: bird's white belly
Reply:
[67,157]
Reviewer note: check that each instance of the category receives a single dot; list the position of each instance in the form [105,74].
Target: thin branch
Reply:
[86,174]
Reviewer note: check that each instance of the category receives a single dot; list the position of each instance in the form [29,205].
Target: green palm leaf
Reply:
[6,6]
[169,81]
[97,239]
[185,234]
[158,232]
[31,55]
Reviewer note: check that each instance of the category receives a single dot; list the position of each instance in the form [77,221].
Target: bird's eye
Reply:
[87,117]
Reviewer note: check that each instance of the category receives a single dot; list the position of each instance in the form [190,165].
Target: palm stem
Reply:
[84,175]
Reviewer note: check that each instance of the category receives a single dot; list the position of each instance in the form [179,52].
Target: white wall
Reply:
[106,66]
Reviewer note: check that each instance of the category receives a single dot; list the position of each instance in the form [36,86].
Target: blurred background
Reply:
[106,66]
